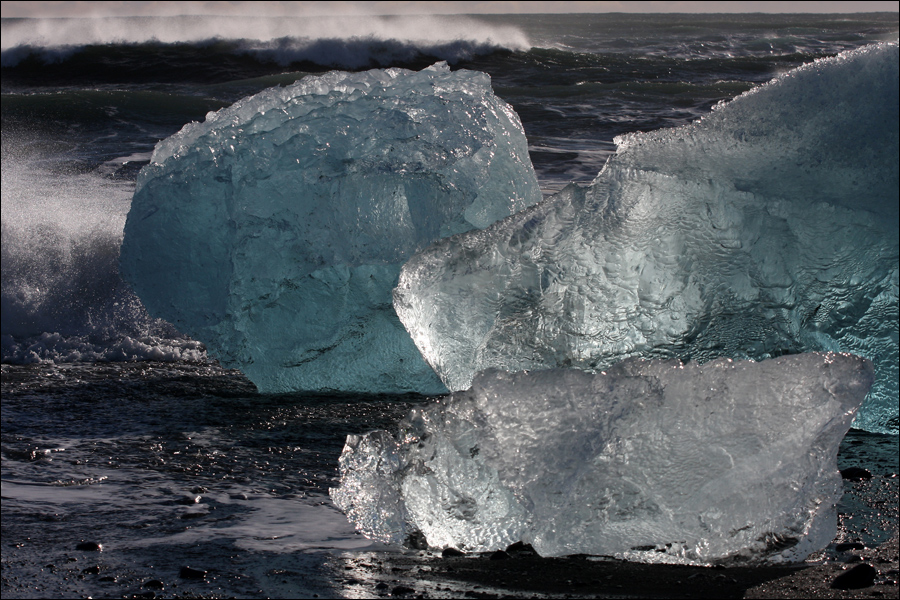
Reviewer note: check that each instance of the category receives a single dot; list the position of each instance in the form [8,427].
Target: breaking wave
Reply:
[351,43]
[62,297]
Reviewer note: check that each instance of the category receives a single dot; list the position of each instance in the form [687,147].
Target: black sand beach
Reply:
[56,546]
[873,573]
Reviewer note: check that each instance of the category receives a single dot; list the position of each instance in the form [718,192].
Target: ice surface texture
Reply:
[649,461]
[275,230]
[768,227]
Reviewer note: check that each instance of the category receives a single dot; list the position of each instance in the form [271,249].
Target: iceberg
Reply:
[653,461]
[768,227]
[274,231]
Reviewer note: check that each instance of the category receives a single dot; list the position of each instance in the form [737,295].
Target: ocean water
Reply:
[115,427]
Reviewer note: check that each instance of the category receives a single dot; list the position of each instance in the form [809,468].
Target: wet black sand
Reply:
[429,575]
[43,555]
[44,561]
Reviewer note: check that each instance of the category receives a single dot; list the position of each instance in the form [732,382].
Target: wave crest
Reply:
[327,41]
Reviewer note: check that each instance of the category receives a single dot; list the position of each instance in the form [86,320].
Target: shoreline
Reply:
[57,568]
[145,553]
[427,574]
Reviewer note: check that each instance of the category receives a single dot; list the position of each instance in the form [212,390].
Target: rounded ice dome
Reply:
[274,231]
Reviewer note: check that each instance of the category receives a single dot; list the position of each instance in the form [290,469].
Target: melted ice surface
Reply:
[649,461]
[768,227]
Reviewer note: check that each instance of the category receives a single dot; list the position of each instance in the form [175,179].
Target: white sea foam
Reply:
[348,41]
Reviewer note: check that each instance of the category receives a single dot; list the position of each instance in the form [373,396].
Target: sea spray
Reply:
[63,299]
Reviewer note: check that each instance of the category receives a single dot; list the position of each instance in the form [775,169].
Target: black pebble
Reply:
[417,541]
[381,585]
[193,515]
[401,590]
[108,578]
[500,555]
[89,547]
[860,576]
[189,573]
[155,584]
[452,552]
[849,546]
[855,474]
[91,570]
[521,548]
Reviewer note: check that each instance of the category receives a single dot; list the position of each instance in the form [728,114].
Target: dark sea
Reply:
[117,429]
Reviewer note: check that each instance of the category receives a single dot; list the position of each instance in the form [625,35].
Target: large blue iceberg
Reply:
[768,227]
[653,461]
[275,230]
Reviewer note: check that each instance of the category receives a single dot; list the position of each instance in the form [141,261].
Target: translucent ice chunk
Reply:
[650,461]
[768,227]
[275,230]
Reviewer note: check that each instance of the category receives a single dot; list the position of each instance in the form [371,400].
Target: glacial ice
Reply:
[653,461]
[768,227]
[274,231]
